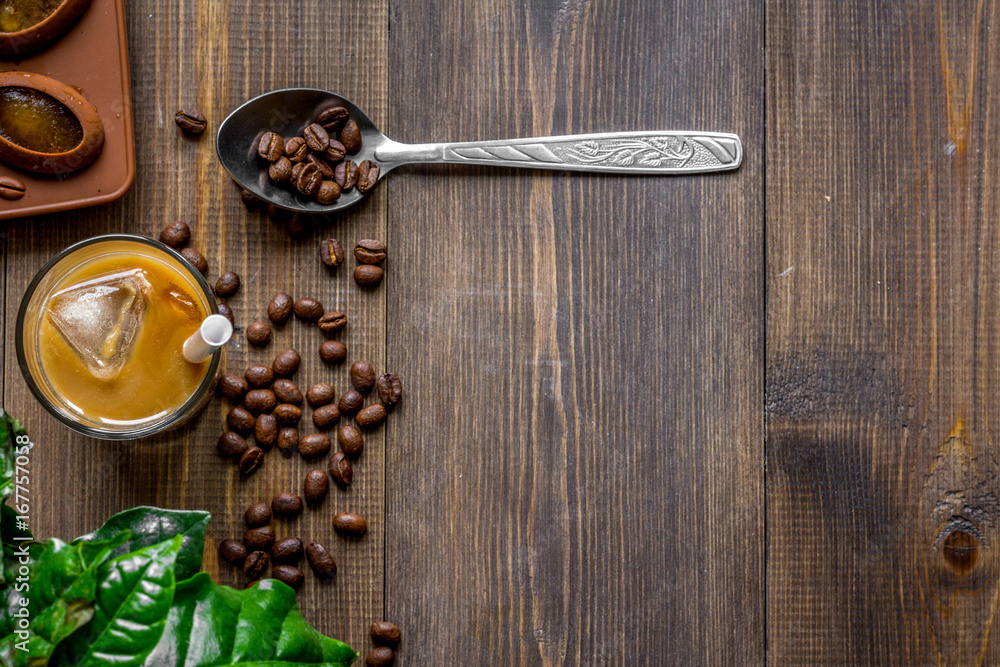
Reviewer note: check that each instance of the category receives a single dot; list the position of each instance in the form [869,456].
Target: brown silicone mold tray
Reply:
[93,58]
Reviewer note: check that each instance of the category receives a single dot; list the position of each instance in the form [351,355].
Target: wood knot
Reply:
[961,550]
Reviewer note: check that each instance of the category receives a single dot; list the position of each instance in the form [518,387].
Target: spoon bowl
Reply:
[289,111]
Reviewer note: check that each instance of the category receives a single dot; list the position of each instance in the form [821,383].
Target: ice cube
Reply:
[101,317]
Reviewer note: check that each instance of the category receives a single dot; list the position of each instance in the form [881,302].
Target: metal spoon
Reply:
[287,112]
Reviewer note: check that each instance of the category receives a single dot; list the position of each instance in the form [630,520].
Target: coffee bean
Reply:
[259,334]
[286,363]
[366,275]
[350,402]
[321,561]
[259,539]
[326,416]
[321,164]
[255,566]
[232,387]
[328,193]
[317,139]
[241,421]
[315,487]
[332,322]
[288,439]
[332,119]
[367,176]
[251,460]
[351,441]
[280,170]
[314,446]
[341,470]
[308,310]
[380,656]
[288,414]
[257,515]
[286,505]
[320,394]
[296,149]
[287,551]
[362,376]
[190,120]
[370,251]
[331,252]
[265,432]
[280,308]
[259,400]
[289,575]
[249,199]
[231,445]
[372,416]
[278,215]
[385,633]
[309,179]
[350,136]
[352,525]
[345,174]
[196,258]
[333,352]
[259,376]
[176,234]
[227,313]
[271,147]
[287,392]
[232,552]
[12,189]
[300,227]
[335,152]
[390,389]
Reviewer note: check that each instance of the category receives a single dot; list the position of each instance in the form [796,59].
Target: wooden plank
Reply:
[882,258]
[575,476]
[214,56]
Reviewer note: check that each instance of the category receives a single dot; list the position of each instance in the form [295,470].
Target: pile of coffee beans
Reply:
[316,163]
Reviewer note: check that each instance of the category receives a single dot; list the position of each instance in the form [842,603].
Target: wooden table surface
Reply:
[732,419]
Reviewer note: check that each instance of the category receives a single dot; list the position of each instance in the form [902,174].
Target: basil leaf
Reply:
[217,625]
[152,525]
[134,595]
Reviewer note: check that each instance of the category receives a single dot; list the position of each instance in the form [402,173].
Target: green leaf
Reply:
[217,625]
[152,525]
[134,595]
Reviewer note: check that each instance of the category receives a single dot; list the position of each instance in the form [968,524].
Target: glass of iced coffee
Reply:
[100,337]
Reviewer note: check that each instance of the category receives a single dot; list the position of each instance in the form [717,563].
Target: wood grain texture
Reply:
[882,273]
[575,476]
[213,56]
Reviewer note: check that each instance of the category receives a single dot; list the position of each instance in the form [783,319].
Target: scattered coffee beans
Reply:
[390,389]
[341,470]
[362,376]
[372,416]
[315,487]
[368,275]
[351,441]
[280,308]
[287,392]
[231,445]
[232,552]
[288,440]
[287,551]
[314,445]
[321,561]
[332,322]
[370,251]
[380,656]
[290,575]
[350,402]
[286,363]
[196,258]
[251,460]
[259,539]
[176,234]
[265,432]
[333,352]
[308,310]
[320,394]
[257,515]
[227,284]
[190,120]
[288,414]
[259,400]
[256,564]
[241,421]
[326,416]
[259,376]
[385,633]
[287,505]
[349,524]
[227,313]
[331,252]
[232,387]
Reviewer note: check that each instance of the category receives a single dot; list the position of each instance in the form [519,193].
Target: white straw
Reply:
[213,333]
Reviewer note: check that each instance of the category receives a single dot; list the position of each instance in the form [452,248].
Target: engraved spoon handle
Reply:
[666,152]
